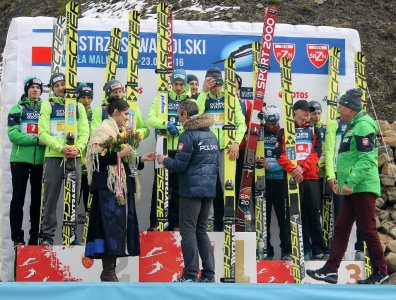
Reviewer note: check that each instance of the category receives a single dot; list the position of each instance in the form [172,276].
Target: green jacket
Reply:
[218,113]
[52,126]
[22,132]
[98,115]
[357,165]
[173,103]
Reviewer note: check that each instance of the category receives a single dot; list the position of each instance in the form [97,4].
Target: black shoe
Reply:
[20,242]
[47,241]
[186,280]
[207,280]
[319,256]
[324,274]
[375,278]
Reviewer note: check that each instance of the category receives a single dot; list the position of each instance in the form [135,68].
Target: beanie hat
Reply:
[111,85]
[215,73]
[352,99]
[84,90]
[179,75]
[192,77]
[56,77]
[301,104]
[271,114]
[30,81]
[315,105]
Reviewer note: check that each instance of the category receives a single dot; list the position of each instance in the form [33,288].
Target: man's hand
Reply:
[263,162]
[298,171]
[208,84]
[233,151]
[69,152]
[346,190]
[160,158]
[332,182]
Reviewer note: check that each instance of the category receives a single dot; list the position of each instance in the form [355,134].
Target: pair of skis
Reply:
[332,102]
[243,215]
[164,69]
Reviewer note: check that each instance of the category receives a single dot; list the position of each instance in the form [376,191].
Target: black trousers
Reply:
[311,226]
[174,199]
[276,195]
[21,173]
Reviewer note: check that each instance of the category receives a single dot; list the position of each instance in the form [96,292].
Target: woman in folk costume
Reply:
[113,226]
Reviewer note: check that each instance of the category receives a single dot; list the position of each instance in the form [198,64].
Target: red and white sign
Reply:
[318,54]
[284,50]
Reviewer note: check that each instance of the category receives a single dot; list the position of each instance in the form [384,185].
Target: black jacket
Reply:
[197,159]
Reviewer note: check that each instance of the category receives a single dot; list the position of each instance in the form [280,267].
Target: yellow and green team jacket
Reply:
[100,113]
[321,162]
[23,132]
[357,165]
[52,127]
[173,103]
[334,131]
[214,105]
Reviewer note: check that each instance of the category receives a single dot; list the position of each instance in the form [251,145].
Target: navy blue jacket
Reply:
[197,159]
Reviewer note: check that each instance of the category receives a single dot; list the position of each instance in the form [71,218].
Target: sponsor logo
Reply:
[32,116]
[365,141]
[302,135]
[180,147]
[284,50]
[318,54]
[296,95]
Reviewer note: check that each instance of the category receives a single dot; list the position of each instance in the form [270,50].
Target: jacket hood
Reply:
[57,100]
[201,121]
[30,102]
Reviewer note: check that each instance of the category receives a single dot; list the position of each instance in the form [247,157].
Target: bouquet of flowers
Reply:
[117,144]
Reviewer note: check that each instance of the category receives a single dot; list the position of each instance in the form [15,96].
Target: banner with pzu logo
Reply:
[196,46]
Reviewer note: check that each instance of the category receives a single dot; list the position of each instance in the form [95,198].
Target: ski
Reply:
[229,128]
[69,200]
[332,101]
[170,45]
[112,57]
[292,186]
[132,67]
[58,39]
[243,215]
[360,80]
[162,96]
[259,173]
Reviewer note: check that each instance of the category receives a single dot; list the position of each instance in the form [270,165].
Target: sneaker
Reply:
[359,255]
[375,278]
[324,274]
[185,280]
[320,256]
[47,241]
[207,280]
